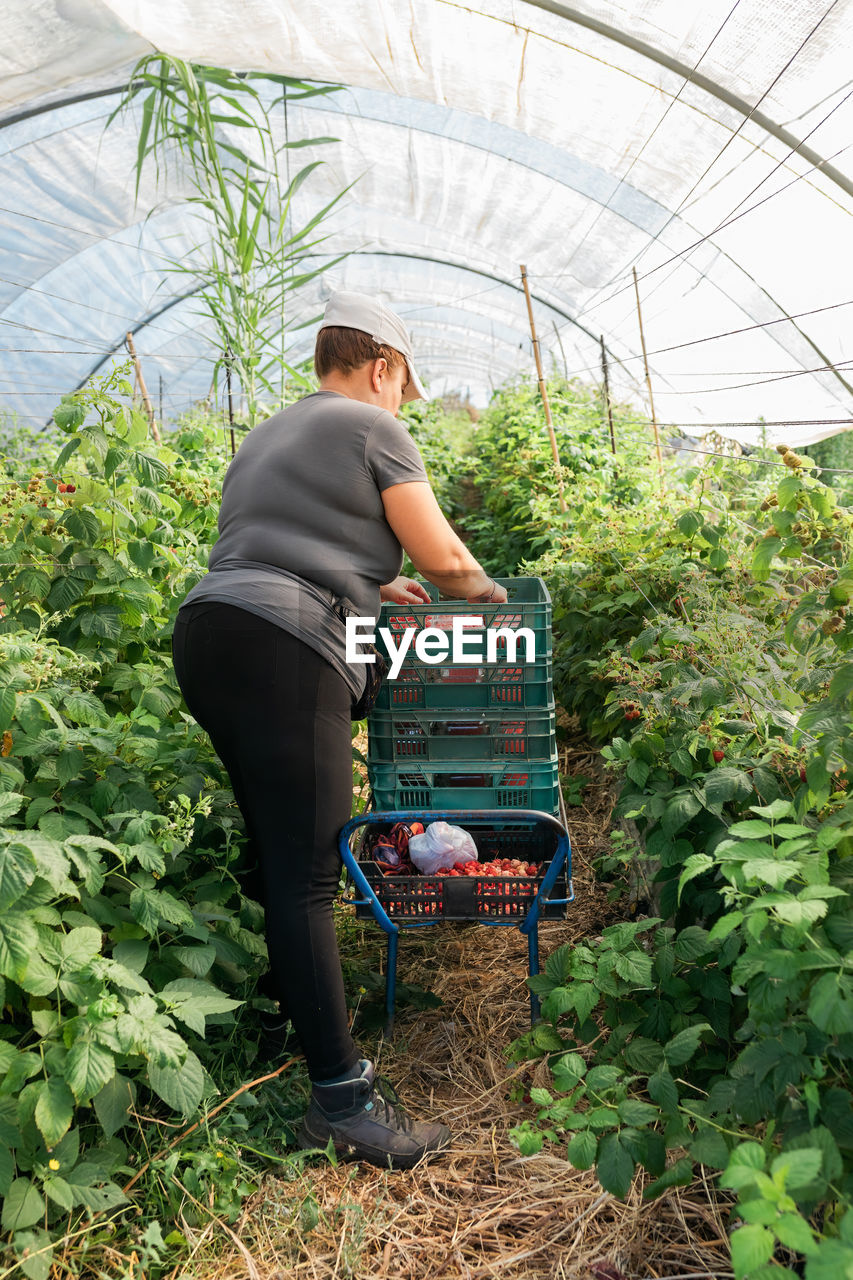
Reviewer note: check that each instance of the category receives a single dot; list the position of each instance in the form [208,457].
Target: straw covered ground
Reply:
[481,1211]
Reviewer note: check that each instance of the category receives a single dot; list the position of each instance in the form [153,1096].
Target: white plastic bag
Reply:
[441,845]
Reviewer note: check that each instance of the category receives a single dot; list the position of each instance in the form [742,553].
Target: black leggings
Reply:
[279,717]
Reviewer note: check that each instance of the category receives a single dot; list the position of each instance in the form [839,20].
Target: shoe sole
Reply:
[345,1151]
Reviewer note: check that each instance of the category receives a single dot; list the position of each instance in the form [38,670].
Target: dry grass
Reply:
[481,1211]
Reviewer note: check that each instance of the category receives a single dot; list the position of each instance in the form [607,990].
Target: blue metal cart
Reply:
[428,900]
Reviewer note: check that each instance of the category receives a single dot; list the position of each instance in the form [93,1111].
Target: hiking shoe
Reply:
[365,1120]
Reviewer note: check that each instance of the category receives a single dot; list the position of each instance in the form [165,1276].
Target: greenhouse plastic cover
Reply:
[709,145]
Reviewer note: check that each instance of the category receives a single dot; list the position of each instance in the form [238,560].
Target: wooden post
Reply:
[230,401]
[648,380]
[543,391]
[146,399]
[161,399]
[607,394]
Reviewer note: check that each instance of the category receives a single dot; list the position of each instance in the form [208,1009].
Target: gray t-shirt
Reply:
[302,497]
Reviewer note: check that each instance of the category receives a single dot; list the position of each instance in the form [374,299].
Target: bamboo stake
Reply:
[607,394]
[543,390]
[648,380]
[146,399]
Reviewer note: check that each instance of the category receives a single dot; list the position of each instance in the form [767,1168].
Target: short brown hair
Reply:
[348,349]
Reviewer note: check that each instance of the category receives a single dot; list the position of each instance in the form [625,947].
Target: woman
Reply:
[318,504]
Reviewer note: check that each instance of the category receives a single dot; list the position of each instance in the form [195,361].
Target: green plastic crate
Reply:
[528,607]
[397,736]
[467,688]
[454,784]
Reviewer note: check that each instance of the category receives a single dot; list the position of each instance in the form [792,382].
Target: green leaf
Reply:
[769,871]
[151,907]
[66,452]
[80,946]
[17,872]
[91,1190]
[18,941]
[800,913]
[558,966]
[681,1047]
[751,828]
[643,1054]
[614,1167]
[54,1110]
[710,1148]
[725,925]
[85,708]
[22,1207]
[10,803]
[182,1088]
[89,1067]
[197,959]
[692,942]
[764,553]
[634,1112]
[795,1233]
[746,1163]
[32,583]
[547,1038]
[113,1103]
[663,1090]
[777,809]
[567,1070]
[7,1169]
[751,1246]
[833,1262]
[634,967]
[8,701]
[798,1167]
[582,1149]
[690,522]
[696,865]
[680,809]
[104,621]
[724,783]
[678,1175]
[841,684]
[66,590]
[82,524]
[35,1249]
[69,415]
[541,1097]
[529,1142]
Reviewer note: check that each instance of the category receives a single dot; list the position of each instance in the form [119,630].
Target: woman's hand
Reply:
[404,591]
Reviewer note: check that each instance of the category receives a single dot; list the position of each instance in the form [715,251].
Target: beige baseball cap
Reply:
[348,310]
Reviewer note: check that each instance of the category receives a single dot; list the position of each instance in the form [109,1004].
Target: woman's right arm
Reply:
[432,546]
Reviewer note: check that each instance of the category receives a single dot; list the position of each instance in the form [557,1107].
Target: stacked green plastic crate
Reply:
[476,734]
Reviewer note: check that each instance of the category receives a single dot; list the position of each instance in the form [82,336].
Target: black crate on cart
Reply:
[436,897]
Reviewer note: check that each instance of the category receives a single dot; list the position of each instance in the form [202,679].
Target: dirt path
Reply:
[481,1211]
